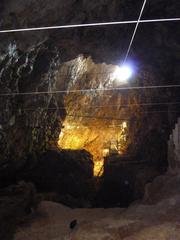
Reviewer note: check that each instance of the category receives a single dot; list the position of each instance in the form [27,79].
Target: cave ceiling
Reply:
[110,42]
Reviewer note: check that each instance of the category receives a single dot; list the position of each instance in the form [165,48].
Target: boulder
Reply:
[162,187]
[65,172]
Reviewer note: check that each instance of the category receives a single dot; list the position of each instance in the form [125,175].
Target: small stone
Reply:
[73,224]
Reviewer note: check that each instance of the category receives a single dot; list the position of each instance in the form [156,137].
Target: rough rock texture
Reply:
[33,13]
[174,149]
[68,174]
[16,202]
[31,61]
[162,187]
[95,119]
[139,222]
[27,123]
[32,65]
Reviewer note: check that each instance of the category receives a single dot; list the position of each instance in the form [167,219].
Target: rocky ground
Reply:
[152,219]
[17,203]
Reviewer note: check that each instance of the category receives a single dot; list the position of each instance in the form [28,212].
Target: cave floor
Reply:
[160,221]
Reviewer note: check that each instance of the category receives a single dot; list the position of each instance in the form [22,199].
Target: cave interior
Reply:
[74,128]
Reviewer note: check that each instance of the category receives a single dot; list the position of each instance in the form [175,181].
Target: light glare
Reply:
[123,73]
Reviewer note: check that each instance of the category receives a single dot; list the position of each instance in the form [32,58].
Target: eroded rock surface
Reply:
[33,57]
[30,61]
[16,203]
[61,175]
[159,220]
[28,122]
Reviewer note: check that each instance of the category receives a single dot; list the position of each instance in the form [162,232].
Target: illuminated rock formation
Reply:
[97,120]
[42,107]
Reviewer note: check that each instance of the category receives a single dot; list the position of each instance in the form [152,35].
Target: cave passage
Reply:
[89,120]
[94,122]
[98,139]
[106,124]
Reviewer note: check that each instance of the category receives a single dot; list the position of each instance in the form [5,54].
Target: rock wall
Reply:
[29,122]
[174,149]
[32,58]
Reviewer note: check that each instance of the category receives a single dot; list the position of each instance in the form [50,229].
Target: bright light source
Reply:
[124,124]
[123,73]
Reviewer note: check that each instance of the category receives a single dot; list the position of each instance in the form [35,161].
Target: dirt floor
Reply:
[160,221]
